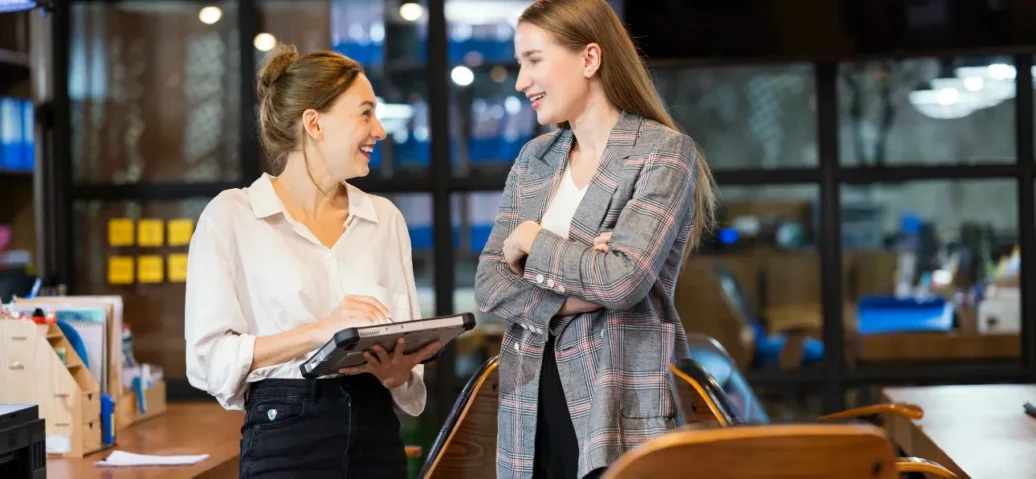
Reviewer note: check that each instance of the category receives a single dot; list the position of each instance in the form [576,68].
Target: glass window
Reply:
[745,116]
[155,312]
[417,211]
[303,23]
[154,92]
[754,285]
[927,111]
[953,245]
[489,120]
[390,39]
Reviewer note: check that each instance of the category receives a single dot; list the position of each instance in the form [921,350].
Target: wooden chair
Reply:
[466,444]
[732,402]
[845,451]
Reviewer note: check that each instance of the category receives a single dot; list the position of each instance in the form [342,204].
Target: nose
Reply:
[523,83]
[378,132]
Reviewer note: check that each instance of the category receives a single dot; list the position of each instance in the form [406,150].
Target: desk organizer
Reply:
[127,410]
[68,396]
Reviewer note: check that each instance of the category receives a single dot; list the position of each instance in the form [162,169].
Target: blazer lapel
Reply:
[543,177]
[590,213]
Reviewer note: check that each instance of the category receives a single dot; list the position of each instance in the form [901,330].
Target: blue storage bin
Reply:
[887,314]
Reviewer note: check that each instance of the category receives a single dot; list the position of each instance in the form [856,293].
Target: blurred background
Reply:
[874,161]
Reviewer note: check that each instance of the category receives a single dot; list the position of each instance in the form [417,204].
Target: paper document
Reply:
[122,458]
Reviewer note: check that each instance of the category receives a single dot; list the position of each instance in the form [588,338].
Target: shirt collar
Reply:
[265,202]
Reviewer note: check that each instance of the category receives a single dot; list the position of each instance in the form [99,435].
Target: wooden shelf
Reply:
[13,59]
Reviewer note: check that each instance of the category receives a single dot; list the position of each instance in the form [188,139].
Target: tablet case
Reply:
[329,358]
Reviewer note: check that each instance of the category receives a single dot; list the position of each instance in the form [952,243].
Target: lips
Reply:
[536,99]
[366,150]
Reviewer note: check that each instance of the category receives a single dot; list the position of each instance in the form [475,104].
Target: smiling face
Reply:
[555,79]
[345,134]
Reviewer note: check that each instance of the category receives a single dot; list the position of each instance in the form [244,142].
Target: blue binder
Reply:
[28,155]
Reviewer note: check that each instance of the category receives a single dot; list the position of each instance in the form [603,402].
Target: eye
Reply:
[368,113]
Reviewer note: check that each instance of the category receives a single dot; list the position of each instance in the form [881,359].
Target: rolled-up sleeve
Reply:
[412,395]
[219,353]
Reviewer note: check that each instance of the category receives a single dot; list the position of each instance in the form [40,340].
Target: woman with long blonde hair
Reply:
[595,222]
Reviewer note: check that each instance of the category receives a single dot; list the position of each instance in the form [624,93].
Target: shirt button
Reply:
[539,278]
[329,255]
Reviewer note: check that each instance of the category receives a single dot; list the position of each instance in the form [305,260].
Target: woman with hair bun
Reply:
[277,268]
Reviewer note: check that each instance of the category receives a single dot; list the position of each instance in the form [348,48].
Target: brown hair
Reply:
[575,24]
[287,85]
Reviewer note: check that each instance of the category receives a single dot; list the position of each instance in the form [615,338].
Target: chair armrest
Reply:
[909,411]
[916,464]
[413,452]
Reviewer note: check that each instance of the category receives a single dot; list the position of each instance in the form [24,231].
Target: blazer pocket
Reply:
[645,355]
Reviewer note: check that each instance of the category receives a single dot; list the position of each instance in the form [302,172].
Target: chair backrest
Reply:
[845,451]
[466,444]
[712,358]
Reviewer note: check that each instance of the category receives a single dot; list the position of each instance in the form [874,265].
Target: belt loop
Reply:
[314,390]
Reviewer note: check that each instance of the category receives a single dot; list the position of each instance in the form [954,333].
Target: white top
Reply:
[557,218]
[254,271]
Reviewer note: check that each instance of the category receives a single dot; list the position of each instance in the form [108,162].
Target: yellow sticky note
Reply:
[150,269]
[150,233]
[180,231]
[120,270]
[177,268]
[120,232]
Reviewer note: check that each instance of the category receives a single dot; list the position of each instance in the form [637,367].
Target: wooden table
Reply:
[977,432]
[185,428]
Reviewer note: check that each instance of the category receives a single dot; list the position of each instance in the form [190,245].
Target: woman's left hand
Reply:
[393,370]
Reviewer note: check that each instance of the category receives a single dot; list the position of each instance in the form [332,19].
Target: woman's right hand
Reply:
[574,305]
[354,311]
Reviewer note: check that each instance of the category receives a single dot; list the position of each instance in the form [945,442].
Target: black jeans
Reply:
[557,449]
[336,427]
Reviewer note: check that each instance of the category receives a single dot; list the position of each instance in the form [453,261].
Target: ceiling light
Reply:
[462,75]
[411,11]
[264,42]
[210,15]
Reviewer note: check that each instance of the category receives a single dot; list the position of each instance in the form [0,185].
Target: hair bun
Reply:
[277,62]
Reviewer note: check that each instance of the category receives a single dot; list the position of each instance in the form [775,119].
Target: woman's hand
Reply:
[601,242]
[518,244]
[574,305]
[353,311]
[393,370]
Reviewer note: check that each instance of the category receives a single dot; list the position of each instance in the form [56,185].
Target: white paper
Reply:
[58,444]
[122,458]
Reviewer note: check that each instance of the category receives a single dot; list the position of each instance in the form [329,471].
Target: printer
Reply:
[23,442]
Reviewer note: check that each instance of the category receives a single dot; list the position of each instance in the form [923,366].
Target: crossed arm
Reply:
[617,278]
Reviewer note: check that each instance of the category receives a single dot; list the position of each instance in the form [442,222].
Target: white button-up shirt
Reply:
[254,271]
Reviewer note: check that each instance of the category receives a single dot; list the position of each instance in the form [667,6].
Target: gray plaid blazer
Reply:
[613,362]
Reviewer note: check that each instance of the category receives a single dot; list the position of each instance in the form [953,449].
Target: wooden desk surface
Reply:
[976,431]
[185,428]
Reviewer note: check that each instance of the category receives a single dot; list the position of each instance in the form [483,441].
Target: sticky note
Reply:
[177,267]
[150,269]
[150,233]
[180,231]
[120,232]
[120,270]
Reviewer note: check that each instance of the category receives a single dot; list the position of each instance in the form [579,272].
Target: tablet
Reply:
[348,345]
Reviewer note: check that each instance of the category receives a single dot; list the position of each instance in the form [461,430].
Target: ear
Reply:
[591,60]
[311,124]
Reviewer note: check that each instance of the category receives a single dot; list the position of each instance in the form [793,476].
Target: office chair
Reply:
[845,451]
[715,372]
[733,402]
[771,348]
[466,444]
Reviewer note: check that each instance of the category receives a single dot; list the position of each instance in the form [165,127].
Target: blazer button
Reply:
[561,289]
[517,347]
[550,283]
[539,278]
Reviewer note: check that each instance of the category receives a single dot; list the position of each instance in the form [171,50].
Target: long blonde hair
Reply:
[627,84]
